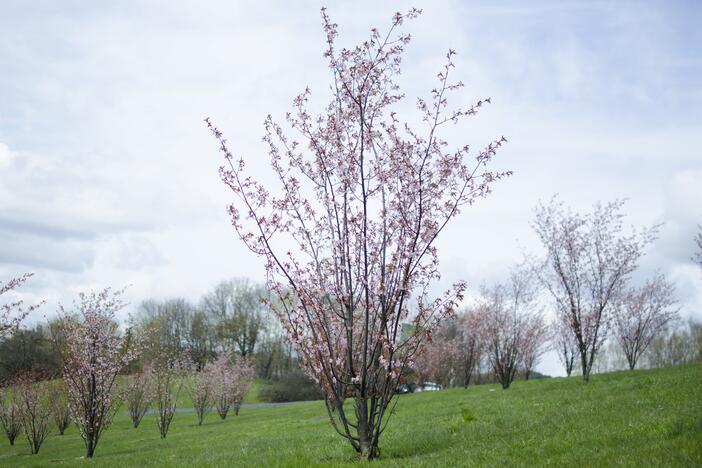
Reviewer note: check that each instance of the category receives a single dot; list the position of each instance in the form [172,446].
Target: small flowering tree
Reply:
[589,258]
[58,405]
[469,345]
[533,342]
[243,376]
[10,413]
[11,314]
[509,320]
[139,393]
[201,394]
[564,344]
[168,375]
[33,405]
[641,314]
[93,355]
[223,380]
[438,359]
[362,197]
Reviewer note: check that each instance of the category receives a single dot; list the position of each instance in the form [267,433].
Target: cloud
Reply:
[108,175]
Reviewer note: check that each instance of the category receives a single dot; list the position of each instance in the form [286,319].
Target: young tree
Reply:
[533,342]
[469,345]
[564,344]
[168,375]
[508,311]
[33,408]
[200,390]
[363,200]
[243,376]
[93,355]
[139,394]
[436,362]
[641,314]
[12,313]
[58,405]
[588,260]
[10,413]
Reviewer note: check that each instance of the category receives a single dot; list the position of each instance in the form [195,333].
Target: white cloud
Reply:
[108,176]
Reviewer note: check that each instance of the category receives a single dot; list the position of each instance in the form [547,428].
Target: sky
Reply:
[108,176]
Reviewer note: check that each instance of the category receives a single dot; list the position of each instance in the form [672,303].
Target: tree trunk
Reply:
[368,448]
[89,446]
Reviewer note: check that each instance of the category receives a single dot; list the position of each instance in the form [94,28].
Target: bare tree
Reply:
[641,314]
[10,413]
[201,392]
[33,405]
[588,260]
[238,309]
[362,200]
[58,405]
[169,375]
[139,393]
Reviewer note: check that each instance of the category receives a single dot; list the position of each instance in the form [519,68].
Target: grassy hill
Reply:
[641,418]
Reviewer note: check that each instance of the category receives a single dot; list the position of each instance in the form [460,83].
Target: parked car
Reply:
[428,387]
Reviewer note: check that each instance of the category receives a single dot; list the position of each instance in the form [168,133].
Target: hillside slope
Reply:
[644,418]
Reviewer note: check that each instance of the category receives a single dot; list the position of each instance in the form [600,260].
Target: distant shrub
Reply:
[293,386]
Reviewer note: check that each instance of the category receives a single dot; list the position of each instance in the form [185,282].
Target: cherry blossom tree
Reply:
[436,362]
[348,232]
[93,355]
[243,377]
[564,344]
[200,390]
[469,346]
[589,258]
[33,405]
[139,393]
[12,313]
[10,413]
[168,374]
[533,341]
[643,313]
[508,313]
[58,405]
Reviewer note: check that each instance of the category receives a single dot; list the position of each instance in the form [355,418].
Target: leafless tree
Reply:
[33,404]
[58,405]
[240,314]
[588,260]
[10,413]
[641,314]
[139,393]
[168,374]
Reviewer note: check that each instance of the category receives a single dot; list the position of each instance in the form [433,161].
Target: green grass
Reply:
[641,418]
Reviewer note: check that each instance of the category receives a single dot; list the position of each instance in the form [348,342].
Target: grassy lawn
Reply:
[642,418]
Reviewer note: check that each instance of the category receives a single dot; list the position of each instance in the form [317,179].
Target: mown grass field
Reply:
[641,418]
